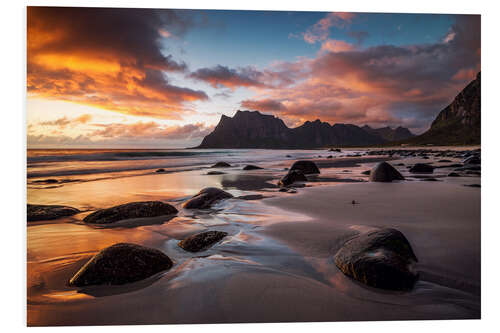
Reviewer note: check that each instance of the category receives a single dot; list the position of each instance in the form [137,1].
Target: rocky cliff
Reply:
[459,122]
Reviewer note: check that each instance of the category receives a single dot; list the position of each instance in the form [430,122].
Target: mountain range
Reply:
[458,123]
[252,129]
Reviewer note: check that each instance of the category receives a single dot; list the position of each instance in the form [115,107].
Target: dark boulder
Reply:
[453,174]
[121,263]
[422,168]
[202,241]
[306,167]
[251,167]
[382,259]
[49,212]
[384,172]
[206,197]
[130,210]
[292,177]
[221,165]
[160,170]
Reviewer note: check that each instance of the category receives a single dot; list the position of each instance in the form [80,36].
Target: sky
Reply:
[159,78]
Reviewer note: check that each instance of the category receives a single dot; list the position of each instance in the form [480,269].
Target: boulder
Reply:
[382,259]
[292,177]
[422,168]
[221,165]
[206,197]
[202,241]
[306,167]
[251,167]
[384,172]
[130,210]
[48,212]
[121,263]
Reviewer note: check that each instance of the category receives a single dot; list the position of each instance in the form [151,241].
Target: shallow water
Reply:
[275,264]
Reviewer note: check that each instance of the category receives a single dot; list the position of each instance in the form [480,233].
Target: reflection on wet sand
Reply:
[276,262]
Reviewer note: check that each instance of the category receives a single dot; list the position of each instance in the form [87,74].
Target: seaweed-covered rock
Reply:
[384,172]
[202,241]
[422,168]
[129,211]
[292,177]
[121,263]
[48,212]
[206,197]
[306,167]
[221,165]
[251,167]
[382,258]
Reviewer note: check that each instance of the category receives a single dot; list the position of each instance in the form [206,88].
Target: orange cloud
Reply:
[98,58]
[388,85]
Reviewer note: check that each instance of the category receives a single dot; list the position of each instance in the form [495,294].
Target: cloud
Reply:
[222,76]
[333,45]
[64,121]
[321,29]
[150,130]
[263,105]
[386,84]
[108,58]
[117,134]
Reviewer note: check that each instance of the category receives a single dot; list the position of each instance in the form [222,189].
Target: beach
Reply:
[276,262]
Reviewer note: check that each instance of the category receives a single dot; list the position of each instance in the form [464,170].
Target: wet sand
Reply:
[276,264]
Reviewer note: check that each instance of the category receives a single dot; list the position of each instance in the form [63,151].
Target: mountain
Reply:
[458,123]
[389,134]
[252,129]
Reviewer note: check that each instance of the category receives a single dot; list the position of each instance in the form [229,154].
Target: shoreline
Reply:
[278,251]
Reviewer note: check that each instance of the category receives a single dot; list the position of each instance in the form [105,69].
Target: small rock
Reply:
[48,212]
[306,167]
[216,173]
[473,185]
[292,177]
[160,170]
[422,168]
[206,197]
[221,165]
[251,167]
[384,172]
[329,156]
[201,241]
[453,174]
[121,263]
[367,172]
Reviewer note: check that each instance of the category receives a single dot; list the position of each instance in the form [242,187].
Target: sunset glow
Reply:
[162,78]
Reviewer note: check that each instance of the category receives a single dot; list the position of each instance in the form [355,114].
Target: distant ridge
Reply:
[252,129]
[459,123]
